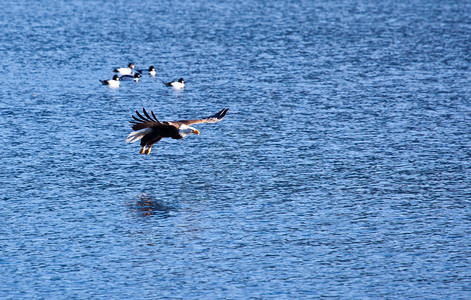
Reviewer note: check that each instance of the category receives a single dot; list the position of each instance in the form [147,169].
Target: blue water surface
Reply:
[342,169]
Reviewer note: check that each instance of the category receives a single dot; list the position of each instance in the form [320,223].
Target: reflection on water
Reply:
[147,206]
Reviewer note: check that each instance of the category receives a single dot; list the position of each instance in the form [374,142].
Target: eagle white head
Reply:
[186,130]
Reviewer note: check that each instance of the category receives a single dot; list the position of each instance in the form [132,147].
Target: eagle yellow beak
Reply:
[197,132]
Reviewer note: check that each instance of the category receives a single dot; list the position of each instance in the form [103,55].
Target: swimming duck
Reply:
[176,84]
[113,83]
[125,71]
[134,77]
[151,71]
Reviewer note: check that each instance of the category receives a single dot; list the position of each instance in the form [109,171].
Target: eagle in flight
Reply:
[150,130]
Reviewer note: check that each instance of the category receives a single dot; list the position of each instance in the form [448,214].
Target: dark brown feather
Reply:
[140,116]
[155,118]
[142,122]
[147,115]
[139,126]
[138,120]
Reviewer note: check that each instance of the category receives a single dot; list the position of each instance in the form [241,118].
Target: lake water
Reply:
[342,169]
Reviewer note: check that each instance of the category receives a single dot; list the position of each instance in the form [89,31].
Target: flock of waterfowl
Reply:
[129,73]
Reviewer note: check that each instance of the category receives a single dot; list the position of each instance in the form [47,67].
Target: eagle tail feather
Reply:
[137,135]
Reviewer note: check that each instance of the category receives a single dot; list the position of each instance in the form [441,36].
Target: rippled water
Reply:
[341,170]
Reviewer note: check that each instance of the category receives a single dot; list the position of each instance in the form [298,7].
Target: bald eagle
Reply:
[150,130]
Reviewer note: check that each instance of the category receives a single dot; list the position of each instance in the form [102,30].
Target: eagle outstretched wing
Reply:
[145,121]
[212,119]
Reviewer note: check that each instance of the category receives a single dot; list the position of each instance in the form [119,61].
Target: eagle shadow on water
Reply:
[146,206]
